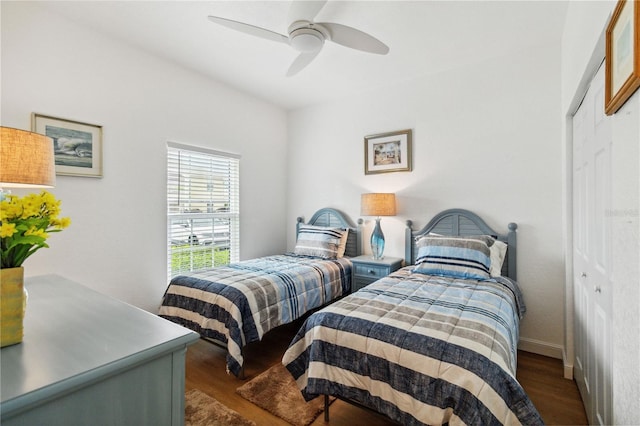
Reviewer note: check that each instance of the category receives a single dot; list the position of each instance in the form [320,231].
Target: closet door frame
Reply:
[591,251]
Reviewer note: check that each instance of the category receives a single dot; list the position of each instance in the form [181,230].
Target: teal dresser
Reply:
[89,359]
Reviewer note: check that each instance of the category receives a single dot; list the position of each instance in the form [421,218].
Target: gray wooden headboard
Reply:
[460,222]
[335,218]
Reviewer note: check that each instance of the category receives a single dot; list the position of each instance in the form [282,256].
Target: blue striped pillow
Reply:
[318,241]
[456,257]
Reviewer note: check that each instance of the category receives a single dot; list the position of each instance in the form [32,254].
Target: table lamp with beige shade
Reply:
[26,161]
[378,204]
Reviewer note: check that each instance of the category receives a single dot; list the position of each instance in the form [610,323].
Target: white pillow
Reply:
[498,250]
[343,243]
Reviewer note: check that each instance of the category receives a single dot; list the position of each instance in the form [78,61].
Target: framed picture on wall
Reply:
[387,152]
[622,69]
[77,146]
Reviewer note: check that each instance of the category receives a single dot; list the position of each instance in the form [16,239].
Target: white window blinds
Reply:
[203,193]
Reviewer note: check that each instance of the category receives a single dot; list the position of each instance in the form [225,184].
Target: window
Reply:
[203,217]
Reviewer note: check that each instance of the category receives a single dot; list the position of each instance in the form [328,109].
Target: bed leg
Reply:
[326,408]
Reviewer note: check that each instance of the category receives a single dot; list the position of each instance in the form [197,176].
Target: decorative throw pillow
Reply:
[461,257]
[318,241]
[497,248]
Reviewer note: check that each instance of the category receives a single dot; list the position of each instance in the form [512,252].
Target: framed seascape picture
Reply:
[387,152]
[77,146]
[622,71]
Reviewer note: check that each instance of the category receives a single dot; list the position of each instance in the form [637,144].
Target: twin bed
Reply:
[237,304]
[432,343]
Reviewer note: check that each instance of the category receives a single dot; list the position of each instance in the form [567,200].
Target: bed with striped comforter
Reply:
[237,304]
[419,349]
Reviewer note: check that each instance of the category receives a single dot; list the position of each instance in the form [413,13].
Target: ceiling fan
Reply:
[307,36]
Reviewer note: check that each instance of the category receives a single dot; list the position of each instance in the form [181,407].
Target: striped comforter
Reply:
[237,304]
[420,349]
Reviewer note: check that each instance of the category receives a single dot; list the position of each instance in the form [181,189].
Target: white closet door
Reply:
[591,252]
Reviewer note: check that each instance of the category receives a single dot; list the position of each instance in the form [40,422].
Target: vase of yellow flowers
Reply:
[25,225]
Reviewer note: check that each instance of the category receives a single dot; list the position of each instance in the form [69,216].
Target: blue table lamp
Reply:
[378,204]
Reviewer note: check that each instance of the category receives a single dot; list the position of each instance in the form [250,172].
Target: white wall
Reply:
[117,241]
[486,138]
[582,52]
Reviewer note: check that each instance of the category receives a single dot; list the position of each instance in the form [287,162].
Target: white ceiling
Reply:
[424,37]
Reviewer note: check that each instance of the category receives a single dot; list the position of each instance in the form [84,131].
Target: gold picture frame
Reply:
[77,146]
[622,69]
[387,152]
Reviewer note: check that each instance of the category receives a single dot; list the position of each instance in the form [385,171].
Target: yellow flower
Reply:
[30,206]
[25,224]
[36,232]
[61,223]
[7,229]
[51,205]
[10,208]
[65,222]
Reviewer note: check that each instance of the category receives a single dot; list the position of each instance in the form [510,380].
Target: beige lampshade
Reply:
[378,204]
[26,160]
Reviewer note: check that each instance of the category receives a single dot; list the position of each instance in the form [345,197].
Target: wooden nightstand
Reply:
[367,270]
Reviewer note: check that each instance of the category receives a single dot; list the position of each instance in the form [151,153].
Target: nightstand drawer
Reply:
[361,282]
[371,271]
[367,270]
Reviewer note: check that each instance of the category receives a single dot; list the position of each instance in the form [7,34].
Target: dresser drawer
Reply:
[371,271]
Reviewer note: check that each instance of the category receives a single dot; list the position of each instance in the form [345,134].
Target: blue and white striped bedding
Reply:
[420,349]
[237,304]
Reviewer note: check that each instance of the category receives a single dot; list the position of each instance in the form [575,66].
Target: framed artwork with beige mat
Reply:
[275,391]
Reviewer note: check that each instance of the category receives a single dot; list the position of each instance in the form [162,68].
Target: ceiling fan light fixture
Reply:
[307,36]
[306,40]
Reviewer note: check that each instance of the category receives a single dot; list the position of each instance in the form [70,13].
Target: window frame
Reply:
[203,208]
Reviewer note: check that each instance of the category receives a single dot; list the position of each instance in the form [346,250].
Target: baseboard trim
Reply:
[568,366]
[568,372]
[542,348]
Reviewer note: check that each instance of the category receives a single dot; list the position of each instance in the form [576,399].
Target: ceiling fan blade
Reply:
[302,10]
[301,61]
[355,39]
[250,29]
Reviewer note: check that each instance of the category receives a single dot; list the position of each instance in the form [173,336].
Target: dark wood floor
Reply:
[556,398]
